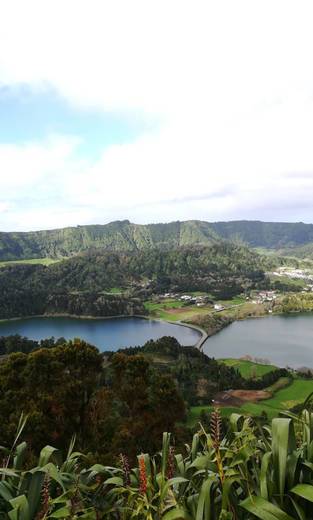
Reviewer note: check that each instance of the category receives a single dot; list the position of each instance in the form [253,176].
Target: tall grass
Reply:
[249,471]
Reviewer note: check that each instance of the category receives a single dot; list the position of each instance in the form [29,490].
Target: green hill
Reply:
[116,236]
[125,236]
[90,283]
[269,235]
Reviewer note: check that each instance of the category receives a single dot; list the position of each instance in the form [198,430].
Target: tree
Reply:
[54,387]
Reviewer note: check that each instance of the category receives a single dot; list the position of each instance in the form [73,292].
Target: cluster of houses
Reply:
[192,300]
[200,301]
[264,296]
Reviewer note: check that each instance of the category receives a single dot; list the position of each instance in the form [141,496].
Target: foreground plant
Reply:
[54,488]
[248,472]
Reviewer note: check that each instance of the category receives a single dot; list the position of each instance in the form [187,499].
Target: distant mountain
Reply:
[116,236]
[270,235]
[125,236]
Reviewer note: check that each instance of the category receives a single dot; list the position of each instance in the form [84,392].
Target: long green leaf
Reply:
[263,509]
[177,514]
[304,490]
[236,420]
[51,470]
[204,501]
[20,509]
[63,512]
[194,446]
[8,472]
[34,492]
[45,455]
[165,452]
[116,481]
[263,474]
[6,491]
[20,453]
[282,443]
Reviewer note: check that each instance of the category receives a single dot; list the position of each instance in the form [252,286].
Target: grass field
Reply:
[42,261]
[283,400]
[166,310]
[297,283]
[278,385]
[236,300]
[292,395]
[247,368]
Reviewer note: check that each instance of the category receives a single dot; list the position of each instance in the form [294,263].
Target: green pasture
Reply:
[292,395]
[278,385]
[236,300]
[249,369]
[283,399]
[166,310]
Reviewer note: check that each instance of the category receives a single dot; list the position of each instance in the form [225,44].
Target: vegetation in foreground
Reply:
[117,405]
[242,471]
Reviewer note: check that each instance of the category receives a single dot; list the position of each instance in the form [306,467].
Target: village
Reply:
[200,301]
[204,300]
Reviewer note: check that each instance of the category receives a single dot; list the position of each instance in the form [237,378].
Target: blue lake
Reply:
[106,334]
[283,340]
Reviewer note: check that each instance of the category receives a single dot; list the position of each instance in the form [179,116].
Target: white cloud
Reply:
[231,82]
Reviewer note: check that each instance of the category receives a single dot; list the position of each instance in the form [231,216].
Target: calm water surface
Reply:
[108,334]
[284,340]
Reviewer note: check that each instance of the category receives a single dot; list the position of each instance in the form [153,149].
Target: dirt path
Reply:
[239,397]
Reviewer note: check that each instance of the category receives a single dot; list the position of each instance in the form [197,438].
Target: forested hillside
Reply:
[116,236]
[125,236]
[113,400]
[269,235]
[82,284]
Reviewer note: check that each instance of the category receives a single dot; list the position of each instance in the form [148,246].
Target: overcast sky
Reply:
[155,111]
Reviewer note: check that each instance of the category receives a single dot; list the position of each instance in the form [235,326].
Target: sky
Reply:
[154,111]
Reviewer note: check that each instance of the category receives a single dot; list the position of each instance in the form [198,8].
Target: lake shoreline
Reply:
[215,331]
[283,341]
[204,335]
[201,340]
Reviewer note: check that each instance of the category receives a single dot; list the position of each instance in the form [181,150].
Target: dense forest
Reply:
[117,405]
[125,236]
[31,290]
[82,285]
[118,401]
